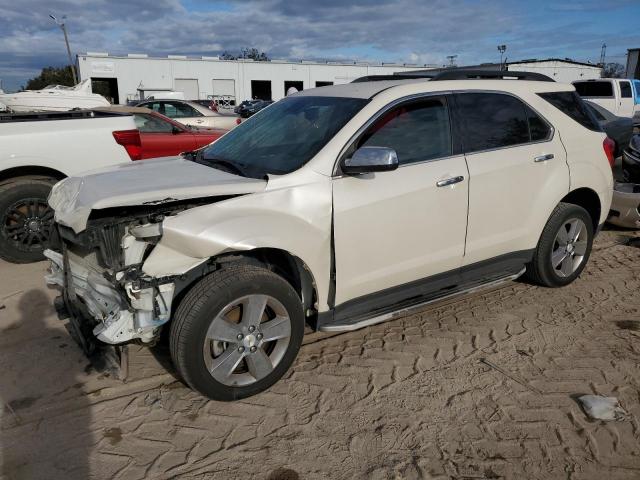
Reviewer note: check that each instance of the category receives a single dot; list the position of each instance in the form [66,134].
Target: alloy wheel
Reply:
[247,340]
[27,224]
[569,247]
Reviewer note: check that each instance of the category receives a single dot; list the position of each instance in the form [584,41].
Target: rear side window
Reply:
[602,89]
[492,120]
[417,131]
[572,105]
[538,128]
[625,90]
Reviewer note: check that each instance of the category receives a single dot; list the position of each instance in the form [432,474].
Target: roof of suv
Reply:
[373,88]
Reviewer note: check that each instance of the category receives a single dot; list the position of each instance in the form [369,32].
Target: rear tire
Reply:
[25,218]
[226,344]
[564,247]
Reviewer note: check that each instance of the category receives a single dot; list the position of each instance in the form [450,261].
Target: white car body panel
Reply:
[511,197]
[383,221]
[147,182]
[47,143]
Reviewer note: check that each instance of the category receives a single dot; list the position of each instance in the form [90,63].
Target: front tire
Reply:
[236,332]
[564,247]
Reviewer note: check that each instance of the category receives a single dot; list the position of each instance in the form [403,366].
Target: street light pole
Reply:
[66,41]
[502,49]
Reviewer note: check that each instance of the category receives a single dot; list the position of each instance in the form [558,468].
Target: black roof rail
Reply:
[399,76]
[462,74]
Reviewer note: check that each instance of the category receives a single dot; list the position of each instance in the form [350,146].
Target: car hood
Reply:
[146,182]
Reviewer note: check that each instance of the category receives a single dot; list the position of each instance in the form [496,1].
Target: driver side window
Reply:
[417,131]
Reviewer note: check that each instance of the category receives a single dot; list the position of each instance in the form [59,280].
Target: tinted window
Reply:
[594,89]
[151,124]
[625,89]
[538,128]
[492,120]
[572,105]
[179,110]
[284,136]
[595,112]
[416,131]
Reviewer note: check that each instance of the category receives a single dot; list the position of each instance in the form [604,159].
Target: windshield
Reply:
[282,137]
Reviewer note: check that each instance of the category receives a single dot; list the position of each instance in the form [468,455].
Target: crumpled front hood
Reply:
[145,182]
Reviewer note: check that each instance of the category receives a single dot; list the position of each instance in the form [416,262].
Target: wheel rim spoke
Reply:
[575,230]
[558,256]
[223,330]
[223,366]
[279,327]
[259,364]
[562,238]
[253,309]
[567,266]
[580,248]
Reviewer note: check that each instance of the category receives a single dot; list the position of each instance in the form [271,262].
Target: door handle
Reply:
[449,181]
[543,158]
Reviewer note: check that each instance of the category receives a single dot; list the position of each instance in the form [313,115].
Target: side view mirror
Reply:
[175,130]
[371,159]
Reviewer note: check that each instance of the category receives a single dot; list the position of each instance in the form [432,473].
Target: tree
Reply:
[613,70]
[51,76]
[227,56]
[254,54]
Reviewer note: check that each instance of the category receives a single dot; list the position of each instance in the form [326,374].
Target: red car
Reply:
[161,136]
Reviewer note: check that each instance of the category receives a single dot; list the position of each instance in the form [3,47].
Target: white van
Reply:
[614,94]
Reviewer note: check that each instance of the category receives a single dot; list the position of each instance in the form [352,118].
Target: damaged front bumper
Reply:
[112,306]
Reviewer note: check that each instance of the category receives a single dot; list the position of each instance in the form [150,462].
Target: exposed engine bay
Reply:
[99,270]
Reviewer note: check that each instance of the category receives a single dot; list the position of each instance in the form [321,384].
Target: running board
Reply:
[408,310]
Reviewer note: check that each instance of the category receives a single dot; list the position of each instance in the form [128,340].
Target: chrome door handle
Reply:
[449,181]
[543,158]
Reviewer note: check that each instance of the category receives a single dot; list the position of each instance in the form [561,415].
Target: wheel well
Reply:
[587,199]
[288,266]
[25,171]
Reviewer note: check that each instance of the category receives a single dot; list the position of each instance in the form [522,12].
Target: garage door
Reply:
[189,86]
[224,87]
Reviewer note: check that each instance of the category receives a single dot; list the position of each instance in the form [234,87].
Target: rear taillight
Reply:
[238,121]
[130,140]
[610,149]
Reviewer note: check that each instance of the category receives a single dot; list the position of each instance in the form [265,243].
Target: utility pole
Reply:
[63,27]
[603,54]
[452,59]
[502,49]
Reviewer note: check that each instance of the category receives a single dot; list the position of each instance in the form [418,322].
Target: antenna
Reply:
[603,54]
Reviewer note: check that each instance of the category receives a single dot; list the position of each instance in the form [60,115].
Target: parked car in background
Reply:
[631,161]
[162,137]
[340,207]
[619,129]
[244,104]
[615,94]
[191,113]
[37,150]
[210,104]
[254,108]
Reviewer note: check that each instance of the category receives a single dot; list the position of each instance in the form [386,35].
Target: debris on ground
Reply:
[598,407]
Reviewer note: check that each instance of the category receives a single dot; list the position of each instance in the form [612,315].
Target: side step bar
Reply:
[409,310]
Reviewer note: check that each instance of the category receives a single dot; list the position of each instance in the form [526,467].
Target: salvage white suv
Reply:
[337,207]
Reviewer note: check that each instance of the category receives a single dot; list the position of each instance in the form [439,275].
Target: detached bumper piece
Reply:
[625,205]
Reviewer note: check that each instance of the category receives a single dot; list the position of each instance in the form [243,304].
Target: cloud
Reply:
[412,31]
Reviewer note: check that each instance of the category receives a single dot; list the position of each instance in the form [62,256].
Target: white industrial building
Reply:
[126,77]
[207,77]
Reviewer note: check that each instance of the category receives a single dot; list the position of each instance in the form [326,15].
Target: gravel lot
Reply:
[481,387]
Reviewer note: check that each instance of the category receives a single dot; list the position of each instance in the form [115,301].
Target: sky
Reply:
[403,31]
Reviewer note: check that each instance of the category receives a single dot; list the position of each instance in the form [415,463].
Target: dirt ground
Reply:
[481,387]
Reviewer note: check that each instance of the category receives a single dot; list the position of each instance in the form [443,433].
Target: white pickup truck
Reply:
[620,96]
[37,150]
